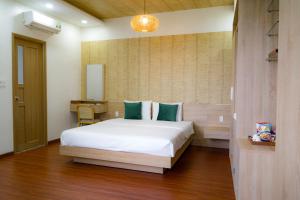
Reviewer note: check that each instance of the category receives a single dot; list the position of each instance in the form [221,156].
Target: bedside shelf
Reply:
[244,144]
[218,133]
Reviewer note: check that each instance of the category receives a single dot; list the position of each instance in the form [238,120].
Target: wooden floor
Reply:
[201,173]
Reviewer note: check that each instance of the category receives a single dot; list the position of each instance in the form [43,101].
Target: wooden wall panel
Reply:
[189,69]
[155,78]
[112,65]
[144,68]
[166,69]
[178,67]
[194,68]
[287,159]
[85,59]
[133,70]
[202,81]
[216,67]
[122,70]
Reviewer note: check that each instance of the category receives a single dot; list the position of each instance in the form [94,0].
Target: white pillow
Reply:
[155,110]
[146,108]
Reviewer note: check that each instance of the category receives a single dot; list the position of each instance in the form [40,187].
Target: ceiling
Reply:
[62,11]
[105,9]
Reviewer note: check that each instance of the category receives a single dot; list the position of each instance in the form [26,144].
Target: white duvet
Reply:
[160,138]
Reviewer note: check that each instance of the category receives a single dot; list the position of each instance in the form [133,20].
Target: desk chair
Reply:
[86,116]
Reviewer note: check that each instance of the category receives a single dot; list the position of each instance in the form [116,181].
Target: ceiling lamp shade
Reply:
[144,23]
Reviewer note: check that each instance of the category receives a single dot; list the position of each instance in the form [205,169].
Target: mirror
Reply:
[95,82]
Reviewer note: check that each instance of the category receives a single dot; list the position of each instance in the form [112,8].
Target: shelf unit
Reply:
[272,33]
[273,6]
[258,64]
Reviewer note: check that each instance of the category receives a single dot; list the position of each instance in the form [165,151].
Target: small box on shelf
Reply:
[264,135]
[273,55]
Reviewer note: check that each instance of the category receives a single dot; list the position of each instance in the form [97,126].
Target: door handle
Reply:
[17,98]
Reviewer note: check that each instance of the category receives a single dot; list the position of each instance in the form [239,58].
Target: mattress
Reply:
[161,138]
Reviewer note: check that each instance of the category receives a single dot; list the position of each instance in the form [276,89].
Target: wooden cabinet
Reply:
[267,91]
[254,171]
[255,99]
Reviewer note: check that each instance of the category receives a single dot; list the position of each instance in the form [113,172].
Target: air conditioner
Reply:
[41,22]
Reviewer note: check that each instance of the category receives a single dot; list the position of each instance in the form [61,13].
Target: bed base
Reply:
[144,168]
[124,160]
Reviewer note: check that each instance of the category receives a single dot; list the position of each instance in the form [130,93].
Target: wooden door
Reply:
[29,94]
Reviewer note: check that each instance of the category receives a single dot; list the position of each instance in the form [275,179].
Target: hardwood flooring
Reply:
[200,174]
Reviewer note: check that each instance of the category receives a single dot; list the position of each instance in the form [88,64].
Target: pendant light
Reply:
[145,22]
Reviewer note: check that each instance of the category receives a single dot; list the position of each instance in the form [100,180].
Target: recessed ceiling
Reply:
[105,9]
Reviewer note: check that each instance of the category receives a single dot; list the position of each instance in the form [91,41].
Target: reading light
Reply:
[84,22]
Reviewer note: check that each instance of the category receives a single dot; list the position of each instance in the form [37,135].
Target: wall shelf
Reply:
[273,6]
[273,31]
[272,59]
[273,9]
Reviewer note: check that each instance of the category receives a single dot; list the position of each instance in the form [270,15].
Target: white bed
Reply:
[161,138]
[143,145]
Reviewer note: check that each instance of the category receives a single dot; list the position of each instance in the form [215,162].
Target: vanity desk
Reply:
[98,106]
[91,111]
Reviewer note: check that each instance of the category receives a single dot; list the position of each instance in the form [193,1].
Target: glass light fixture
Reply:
[145,22]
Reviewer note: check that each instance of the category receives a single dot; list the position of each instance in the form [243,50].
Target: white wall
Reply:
[205,20]
[63,72]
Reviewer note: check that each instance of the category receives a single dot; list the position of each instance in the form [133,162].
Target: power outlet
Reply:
[234,116]
[117,114]
[221,119]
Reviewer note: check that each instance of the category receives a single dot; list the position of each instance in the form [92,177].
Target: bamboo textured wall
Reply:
[193,68]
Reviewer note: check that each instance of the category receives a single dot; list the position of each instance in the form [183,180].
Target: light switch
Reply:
[2,84]
[117,114]
[234,116]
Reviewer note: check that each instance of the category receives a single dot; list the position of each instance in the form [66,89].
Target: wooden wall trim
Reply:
[54,141]
[6,155]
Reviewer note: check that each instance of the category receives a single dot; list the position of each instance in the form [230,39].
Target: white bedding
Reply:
[160,138]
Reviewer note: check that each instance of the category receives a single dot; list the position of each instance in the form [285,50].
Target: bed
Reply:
[143,145]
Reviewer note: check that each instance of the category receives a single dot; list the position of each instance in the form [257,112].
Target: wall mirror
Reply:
[95,82]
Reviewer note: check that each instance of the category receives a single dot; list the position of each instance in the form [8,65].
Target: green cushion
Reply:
[167,112]
[133,110]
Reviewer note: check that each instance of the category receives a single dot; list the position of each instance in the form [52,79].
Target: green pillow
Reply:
[167,112]
[133,110]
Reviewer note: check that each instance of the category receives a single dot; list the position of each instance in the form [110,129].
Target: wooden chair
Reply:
[86,116]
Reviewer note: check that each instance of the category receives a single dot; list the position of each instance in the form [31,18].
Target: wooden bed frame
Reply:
[125,160]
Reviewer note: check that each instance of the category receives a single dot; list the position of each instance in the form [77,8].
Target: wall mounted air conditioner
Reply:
[41,22]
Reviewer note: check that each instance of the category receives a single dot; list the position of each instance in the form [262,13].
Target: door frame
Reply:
[44,82]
